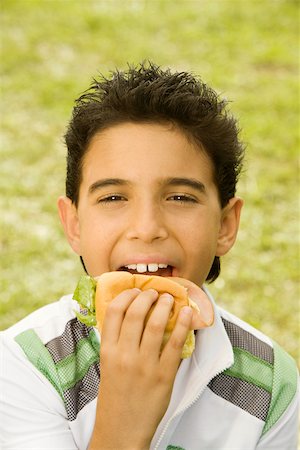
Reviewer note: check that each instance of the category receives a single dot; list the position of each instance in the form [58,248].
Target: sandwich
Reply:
[95,294]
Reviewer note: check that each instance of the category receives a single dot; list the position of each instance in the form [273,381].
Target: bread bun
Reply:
[111,284]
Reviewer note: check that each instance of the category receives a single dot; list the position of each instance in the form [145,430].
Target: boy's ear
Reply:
[230,221]
[69,219]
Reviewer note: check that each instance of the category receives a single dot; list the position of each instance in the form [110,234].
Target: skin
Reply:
[160,205]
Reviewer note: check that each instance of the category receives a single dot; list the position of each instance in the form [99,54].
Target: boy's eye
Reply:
[182,198]
[111,199]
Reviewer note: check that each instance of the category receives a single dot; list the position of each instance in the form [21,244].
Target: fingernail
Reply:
[154,293]
[186,311]
[167,296]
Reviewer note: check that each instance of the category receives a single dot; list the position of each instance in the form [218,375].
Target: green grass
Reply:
[247,50]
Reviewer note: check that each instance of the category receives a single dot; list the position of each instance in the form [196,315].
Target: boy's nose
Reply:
[147,224]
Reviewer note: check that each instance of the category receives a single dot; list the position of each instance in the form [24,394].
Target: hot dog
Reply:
[108,285]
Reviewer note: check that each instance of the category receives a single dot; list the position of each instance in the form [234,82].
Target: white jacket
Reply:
[237,391]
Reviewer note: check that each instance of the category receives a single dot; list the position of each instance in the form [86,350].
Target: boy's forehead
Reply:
[129,149]
[133,136]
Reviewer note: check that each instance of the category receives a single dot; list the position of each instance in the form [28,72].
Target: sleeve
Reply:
[282,425]
[32,414]
[284,434]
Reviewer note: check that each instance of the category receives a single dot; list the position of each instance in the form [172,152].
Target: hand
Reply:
[136,377]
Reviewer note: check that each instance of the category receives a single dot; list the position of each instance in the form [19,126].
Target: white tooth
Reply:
[131,266]
[162,266]
[141,268]
[153,267]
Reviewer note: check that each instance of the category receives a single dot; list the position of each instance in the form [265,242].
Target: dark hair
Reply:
[147,93]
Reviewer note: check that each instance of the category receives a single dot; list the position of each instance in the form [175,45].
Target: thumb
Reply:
[203,312]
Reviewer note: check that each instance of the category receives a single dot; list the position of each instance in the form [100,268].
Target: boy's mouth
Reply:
[158,269]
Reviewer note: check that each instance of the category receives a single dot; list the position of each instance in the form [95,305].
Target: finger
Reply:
[205,317]
[171,354]
[134,321]
[115,314]
[154,331]
[195,293]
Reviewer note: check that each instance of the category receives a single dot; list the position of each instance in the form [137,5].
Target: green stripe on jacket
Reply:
[67,372]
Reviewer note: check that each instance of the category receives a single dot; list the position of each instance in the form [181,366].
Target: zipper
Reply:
[182,411]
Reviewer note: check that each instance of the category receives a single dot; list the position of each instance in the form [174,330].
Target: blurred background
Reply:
[246,49]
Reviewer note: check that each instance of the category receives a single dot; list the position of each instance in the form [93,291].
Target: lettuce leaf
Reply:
[89,319]
[84,294]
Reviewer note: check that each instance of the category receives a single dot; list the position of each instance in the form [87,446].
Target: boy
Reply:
[153,162]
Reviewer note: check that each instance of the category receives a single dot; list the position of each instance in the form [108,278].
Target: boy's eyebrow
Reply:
[107,182]
[190,182]
[174,181]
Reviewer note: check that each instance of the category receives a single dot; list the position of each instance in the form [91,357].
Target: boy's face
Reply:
[147,197]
